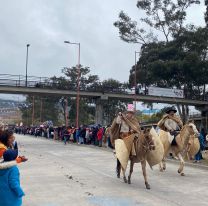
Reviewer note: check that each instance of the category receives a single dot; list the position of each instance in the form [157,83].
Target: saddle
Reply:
[174,134]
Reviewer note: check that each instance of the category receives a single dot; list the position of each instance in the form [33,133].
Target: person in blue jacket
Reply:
[198,156]
[10,191]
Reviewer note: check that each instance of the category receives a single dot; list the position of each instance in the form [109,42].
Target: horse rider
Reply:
[170,122]
[128,123]
[123,126]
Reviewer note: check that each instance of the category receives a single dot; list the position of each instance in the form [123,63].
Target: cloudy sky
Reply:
[45,24]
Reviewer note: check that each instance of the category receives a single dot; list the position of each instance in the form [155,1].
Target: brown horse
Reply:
[182,146]
[143,145]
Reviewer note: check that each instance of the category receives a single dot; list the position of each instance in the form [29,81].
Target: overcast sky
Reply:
[45,24]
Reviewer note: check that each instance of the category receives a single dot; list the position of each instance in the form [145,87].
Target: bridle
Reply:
[148,143]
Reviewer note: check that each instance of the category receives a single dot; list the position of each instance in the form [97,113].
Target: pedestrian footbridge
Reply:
[17,84]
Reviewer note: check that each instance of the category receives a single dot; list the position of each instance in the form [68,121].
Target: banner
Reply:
[158,91]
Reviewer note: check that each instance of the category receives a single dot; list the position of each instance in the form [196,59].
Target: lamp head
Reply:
[67,42]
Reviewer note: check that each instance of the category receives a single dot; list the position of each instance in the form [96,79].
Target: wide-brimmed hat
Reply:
[169,109]
[10,155]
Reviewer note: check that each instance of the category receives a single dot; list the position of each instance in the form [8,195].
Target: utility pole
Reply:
[26,64]
[135,79]
[78,82]
[33,110]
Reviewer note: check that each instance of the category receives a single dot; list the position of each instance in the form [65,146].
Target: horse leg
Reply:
[118,169]
[124,175]
[130,171]
[143,163]
[162,165]
[180,170]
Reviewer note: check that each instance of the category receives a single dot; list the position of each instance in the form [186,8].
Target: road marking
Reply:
[113,201]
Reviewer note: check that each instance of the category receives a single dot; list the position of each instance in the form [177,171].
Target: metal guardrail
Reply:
[44,82]
[20,80]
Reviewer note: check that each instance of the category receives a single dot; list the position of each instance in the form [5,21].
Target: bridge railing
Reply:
[50,83]
[20,80]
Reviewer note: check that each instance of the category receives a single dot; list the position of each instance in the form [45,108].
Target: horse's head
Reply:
[193,130]
[148,140]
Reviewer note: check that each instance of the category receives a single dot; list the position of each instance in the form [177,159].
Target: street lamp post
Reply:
[135,78]
[33,110]
[78,82]
[26,64]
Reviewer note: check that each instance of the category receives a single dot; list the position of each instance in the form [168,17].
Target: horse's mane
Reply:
[142,136]
[185,135]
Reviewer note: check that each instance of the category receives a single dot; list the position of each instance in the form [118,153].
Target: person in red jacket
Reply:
[100,135]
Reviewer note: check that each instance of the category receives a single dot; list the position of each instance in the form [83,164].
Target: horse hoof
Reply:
[164,168]
[118,175]
[125,180]
[129,181]
[182,174]
[147,186]
[179,171]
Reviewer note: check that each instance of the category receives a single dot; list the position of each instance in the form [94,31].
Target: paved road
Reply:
[72,175]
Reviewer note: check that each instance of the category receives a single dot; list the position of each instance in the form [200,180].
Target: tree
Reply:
[165,16]
[45,108]
[87,82]
[180,63]
[86,79]
[174,64]
[113,106]
[129,32]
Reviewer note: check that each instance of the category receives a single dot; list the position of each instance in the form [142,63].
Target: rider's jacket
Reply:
[171,125]
[124,127]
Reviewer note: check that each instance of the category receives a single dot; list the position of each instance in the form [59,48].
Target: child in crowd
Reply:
[10,191]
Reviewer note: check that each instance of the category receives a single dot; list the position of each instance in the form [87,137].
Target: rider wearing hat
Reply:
[170,122]
[123,127]
[128,123]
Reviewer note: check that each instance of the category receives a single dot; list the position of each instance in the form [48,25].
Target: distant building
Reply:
[9,112]
[10,115]
[150,111]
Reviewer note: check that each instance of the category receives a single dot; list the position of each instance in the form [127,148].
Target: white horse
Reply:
[182,146]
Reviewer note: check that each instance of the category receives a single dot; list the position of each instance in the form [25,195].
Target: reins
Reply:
[147,144]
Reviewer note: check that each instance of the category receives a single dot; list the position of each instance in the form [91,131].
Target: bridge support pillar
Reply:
[99,111]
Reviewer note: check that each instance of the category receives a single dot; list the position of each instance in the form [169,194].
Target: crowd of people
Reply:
[93,134]
[203,141]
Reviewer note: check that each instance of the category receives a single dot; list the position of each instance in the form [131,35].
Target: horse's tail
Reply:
[118,168]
